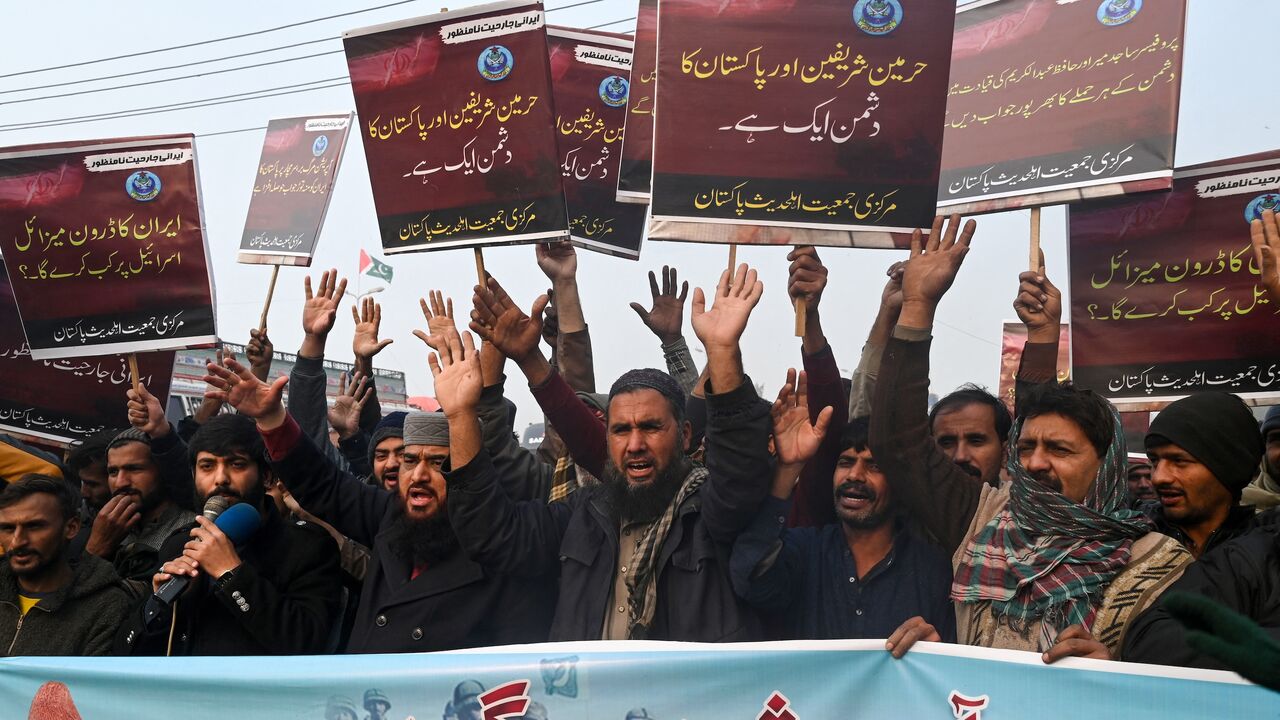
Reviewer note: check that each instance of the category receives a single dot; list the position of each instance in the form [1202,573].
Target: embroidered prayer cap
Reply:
[422,428]
[651,379]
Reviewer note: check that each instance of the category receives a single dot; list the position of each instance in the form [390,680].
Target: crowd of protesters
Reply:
[679,505]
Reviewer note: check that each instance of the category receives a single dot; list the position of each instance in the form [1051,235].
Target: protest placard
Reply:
[456,114]
[637,141]
[589,82]
[1013,337]
[66,399]
[292,188]
[1053,101]
[1166,298]
[105,246]
[804,123]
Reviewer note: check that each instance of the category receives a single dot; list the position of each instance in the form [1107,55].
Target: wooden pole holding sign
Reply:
[481,278]
[271,291]
[134,375]
[802,311]
[733,258]
[1035,239]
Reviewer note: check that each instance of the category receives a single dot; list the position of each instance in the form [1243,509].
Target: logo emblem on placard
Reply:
[320,145]
[877,17]
[613,90]
[1270,201]
[1118,12]
[142,186]
[495,63]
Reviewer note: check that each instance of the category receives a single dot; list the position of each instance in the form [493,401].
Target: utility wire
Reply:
[210,60]
[615,22]
[172,79]
[199,104]
[168,67]
[207,42]
[109,115]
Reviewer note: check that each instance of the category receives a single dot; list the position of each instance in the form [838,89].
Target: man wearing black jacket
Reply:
[276,594]
[421,592]
[645,553]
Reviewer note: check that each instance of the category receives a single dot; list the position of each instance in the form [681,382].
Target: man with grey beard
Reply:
[645,553]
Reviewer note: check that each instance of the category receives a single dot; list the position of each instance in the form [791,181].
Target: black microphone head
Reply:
[216,505]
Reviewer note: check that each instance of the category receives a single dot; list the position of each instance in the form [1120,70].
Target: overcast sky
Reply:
[1227,110]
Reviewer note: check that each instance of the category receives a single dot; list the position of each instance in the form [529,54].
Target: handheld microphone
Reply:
[238,522]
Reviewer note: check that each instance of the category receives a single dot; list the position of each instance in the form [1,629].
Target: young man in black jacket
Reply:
[275,594]
[421,593]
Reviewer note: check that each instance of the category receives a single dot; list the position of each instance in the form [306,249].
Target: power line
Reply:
[615,22]
[200,104]
[172,79]
[206,42]
[207,61]
[168,67]
[109,115]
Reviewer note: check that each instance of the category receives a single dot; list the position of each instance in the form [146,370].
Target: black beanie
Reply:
[1218,430]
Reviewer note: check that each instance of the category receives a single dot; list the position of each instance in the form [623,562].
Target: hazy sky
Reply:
[1227,110]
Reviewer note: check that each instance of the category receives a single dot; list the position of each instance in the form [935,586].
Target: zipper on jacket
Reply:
[15,634]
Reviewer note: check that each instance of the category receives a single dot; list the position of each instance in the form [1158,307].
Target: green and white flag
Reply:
[373,267]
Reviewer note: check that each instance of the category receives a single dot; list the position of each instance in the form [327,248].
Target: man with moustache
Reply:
[1138,479]
[644,554]
[150,483]
[273,594]
[47,606]
[420,593]
[860,577]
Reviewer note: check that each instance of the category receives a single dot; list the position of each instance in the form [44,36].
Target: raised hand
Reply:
[666,316]
[233,384]
[1265,236]
[932,268]
[807,277]
[795,439]
[321,308]
[721,326]
[259,351]
[496,319]
[364,341]
[439,316]
[891,295]
[558,260]
[1039,305]
[344,414]
[456,369]
[146,414]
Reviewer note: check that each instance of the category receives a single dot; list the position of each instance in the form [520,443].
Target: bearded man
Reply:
[645,553]
[421,593]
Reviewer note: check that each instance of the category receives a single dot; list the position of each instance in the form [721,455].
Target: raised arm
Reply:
[737,419]
[933,488]
[808,279]
[365,345]
[767,564]
[497,320]
[559,262]
[863,387]
[492,528]
[308,384]
[1039,307]
[665,319]
[333,495]
[1264,234]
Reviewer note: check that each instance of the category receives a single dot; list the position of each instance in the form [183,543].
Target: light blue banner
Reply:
[836,680]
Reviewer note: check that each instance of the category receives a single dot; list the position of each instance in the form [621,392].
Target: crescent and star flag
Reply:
[105,247]
[457,118]
[292,189]
[1166,298]
[373,267]
[785,122]
[1055,101]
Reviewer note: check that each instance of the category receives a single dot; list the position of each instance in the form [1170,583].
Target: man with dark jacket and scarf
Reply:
[48,607]
[421,593]
[644,554]
[1204,450]
[274,594]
